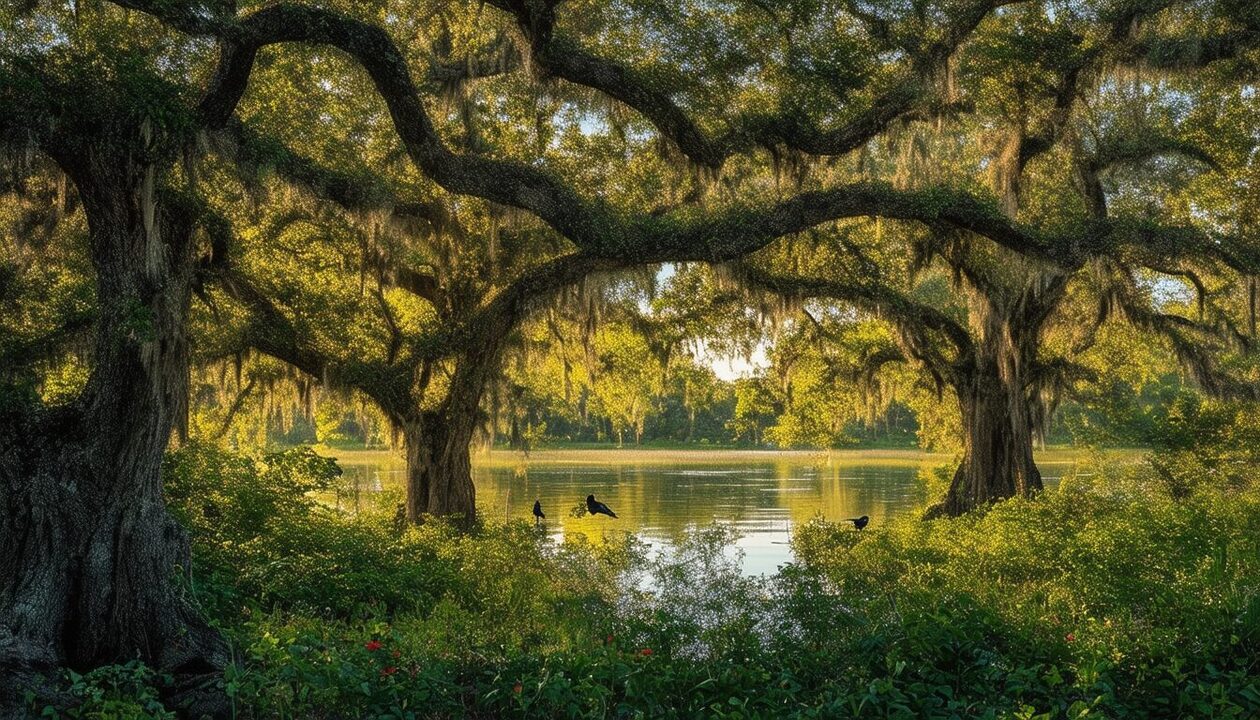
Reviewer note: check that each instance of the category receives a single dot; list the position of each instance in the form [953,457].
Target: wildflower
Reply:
[389,670]
[645,651]
[1070,637]
[372,645]
[396,653]
[517,688]
[608,640]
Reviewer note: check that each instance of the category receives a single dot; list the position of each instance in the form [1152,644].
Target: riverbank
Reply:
[703,456]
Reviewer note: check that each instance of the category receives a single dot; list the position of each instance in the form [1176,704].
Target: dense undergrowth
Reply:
[1105,598]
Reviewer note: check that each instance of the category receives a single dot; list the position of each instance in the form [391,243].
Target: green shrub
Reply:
[112,692]
[1113,593]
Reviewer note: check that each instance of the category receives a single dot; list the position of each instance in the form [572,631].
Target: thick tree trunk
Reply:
[419,469]
[997,452]
[997,430]
[439,466]
[451,490]
[88,571]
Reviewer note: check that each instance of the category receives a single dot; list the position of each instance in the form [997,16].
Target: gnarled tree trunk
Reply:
[439,469]
[88,571]
[438,442]
[997,447]
[997,422]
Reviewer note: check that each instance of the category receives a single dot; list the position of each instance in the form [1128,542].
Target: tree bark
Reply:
[997,459]
[88,572]
[438,444]
[439,468]
[997,424]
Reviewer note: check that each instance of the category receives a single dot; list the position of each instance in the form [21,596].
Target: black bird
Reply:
[538,513]
[596,507]
[861,522]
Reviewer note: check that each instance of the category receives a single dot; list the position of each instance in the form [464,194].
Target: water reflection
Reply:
[661,495]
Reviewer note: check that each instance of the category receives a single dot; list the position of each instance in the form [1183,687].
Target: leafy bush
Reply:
[1108,594]
[113,692]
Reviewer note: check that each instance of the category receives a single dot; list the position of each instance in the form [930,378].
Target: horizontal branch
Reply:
[1192,343]
[1146,144]
[1146,243]
[595,228]
[503,182]
[739,231]
[271,332]
[354,191]
[1192,52]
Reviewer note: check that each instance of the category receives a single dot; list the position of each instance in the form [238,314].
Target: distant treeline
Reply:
[749,413]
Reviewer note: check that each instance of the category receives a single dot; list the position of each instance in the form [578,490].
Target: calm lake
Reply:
[660,494]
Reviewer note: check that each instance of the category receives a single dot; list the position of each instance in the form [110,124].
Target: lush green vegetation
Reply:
[231,229]
[1104,598]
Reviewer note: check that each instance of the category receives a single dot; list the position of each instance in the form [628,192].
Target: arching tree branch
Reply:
[1194,344]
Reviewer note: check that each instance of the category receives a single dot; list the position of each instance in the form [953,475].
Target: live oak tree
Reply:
[1102,227]
[127,98]
[628,352]
[638,352]
[88,572]
[830,401]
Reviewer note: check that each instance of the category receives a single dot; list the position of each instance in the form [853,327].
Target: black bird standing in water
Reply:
[861,522]
[538,513]
[596,507]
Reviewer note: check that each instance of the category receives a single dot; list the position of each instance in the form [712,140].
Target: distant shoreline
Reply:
[647,456]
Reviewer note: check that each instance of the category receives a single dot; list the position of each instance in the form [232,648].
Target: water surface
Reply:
[661,494]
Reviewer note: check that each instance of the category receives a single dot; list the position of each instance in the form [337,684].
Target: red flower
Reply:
[372,645]
[1070,637]
[608,640]
[389,670]
[645,651]
[517,688]
[396,653]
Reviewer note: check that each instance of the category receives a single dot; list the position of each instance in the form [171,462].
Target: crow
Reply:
[596,507]
[861,522]
[538,513]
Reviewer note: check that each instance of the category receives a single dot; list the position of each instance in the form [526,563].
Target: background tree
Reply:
[1034,299]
